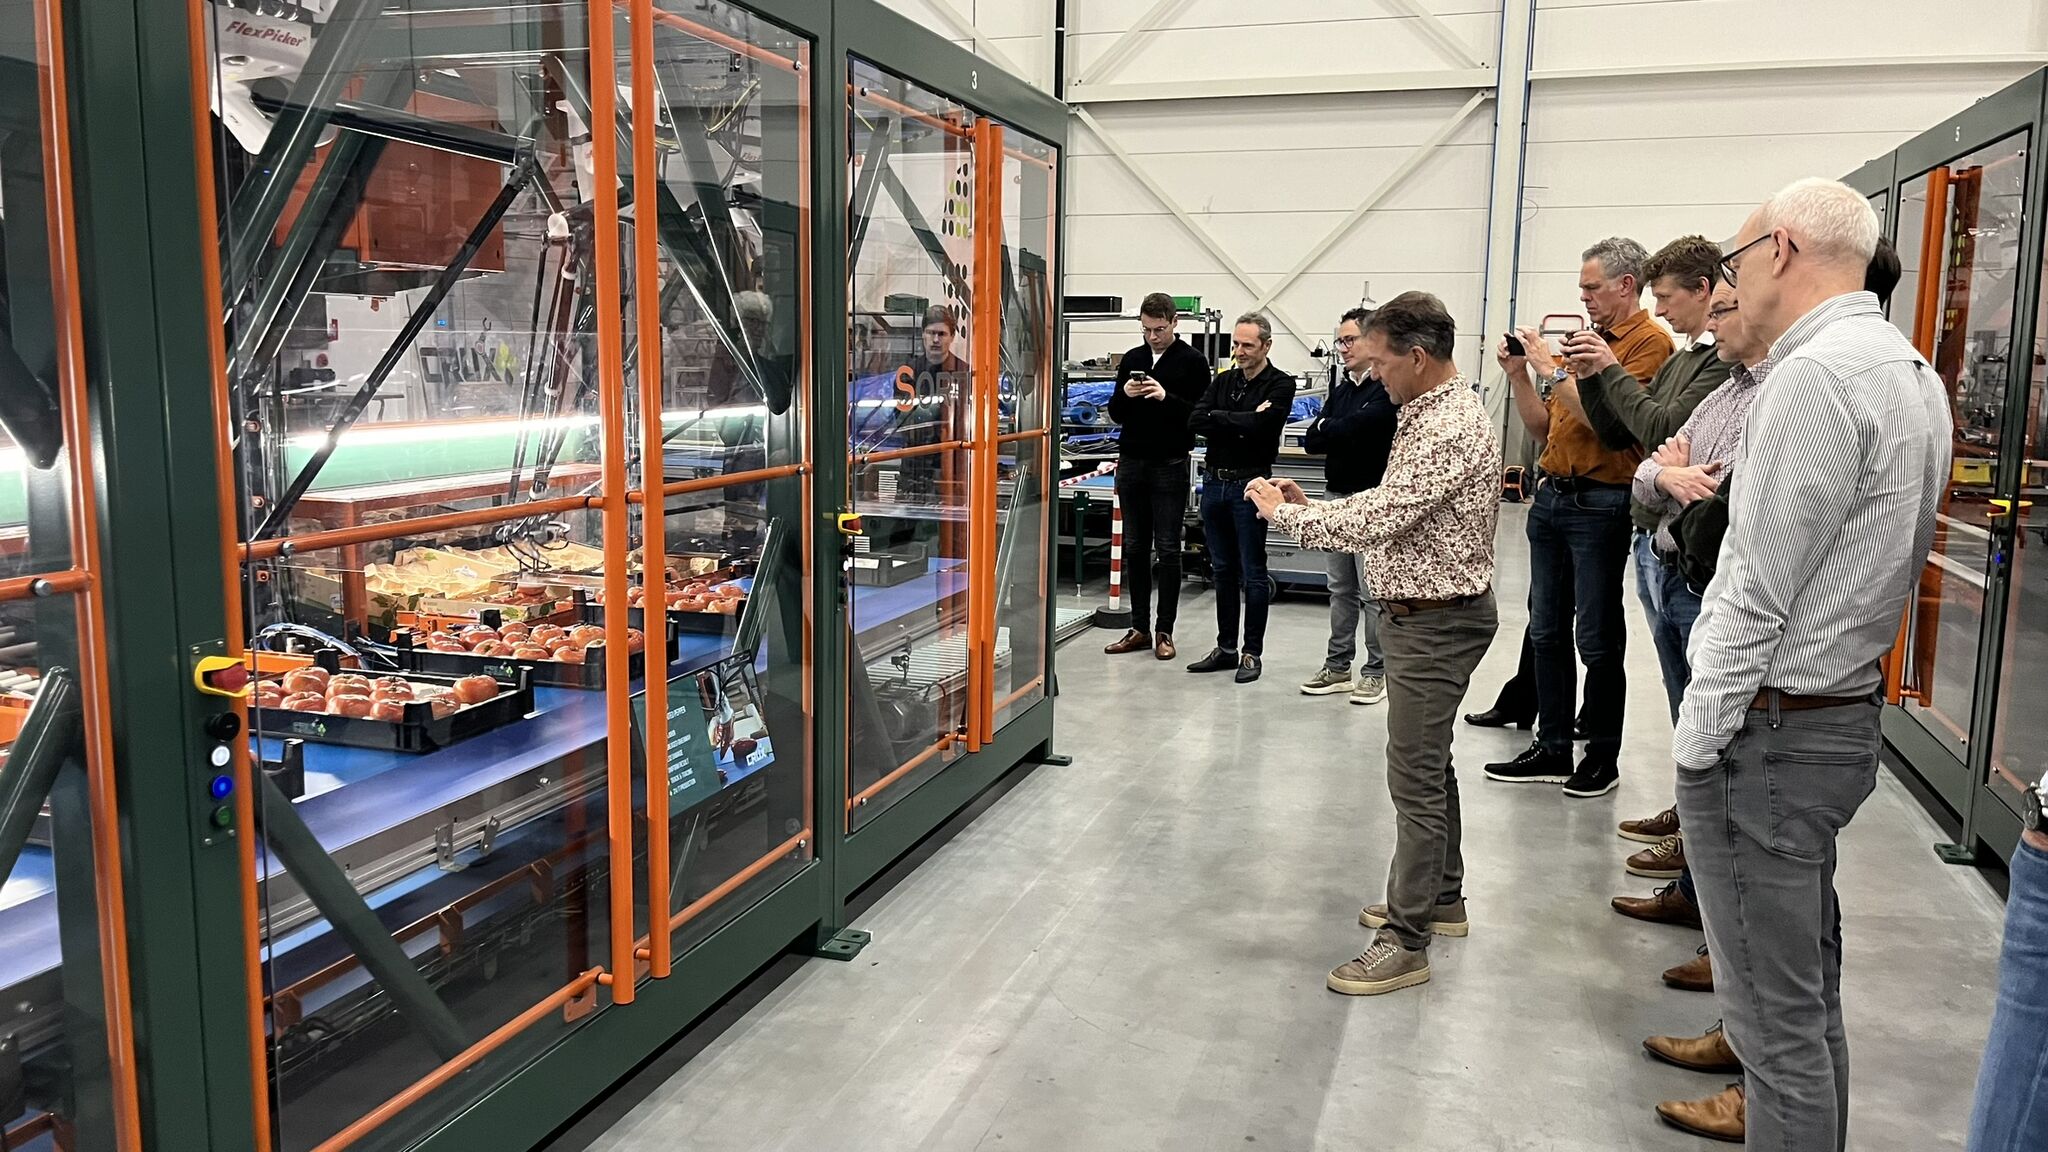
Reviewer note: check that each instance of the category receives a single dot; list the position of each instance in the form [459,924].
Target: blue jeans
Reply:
[1671,606]
[1578,552]
[2012,1085]
[1237,561]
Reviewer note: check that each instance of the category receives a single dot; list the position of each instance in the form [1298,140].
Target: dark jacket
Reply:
[1353,434]
[1241,438]
[1698,532]
[1158,429]
[1626,414]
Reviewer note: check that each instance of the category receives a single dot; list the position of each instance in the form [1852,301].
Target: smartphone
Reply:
[1515,345]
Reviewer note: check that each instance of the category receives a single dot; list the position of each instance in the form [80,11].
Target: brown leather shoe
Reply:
[1668,906]
[1133,641]
[1651,830]
[1719,1117]
[1664,860]
[1708,1053]
[1695,975]
[1162,646]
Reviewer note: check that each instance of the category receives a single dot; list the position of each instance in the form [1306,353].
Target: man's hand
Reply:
[1588,353]
[1675,453]
[1263,405]
[1157,391]
[1143,387]
[1517,367]
[1688,484]
[1539,351]
[1265,495]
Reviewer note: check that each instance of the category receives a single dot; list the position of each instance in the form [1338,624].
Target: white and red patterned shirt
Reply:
[1427,531]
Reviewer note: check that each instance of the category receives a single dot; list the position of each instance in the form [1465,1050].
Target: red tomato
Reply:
[473,689]
[355,707]
[305,680]
[392,710]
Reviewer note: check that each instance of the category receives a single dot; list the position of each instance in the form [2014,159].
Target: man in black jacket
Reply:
[1240,416]
[1158,384]
[1353,434]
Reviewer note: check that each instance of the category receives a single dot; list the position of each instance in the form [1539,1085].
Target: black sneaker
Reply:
[1218,660]
[1533,766]
[1248,669]
[1595,777]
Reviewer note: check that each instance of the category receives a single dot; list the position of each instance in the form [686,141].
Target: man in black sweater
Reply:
[1240,416]
[1158,384]
[1353,434]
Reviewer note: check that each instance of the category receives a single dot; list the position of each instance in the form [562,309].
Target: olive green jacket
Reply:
[1625,413]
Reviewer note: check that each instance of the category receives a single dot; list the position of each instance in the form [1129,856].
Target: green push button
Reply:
[223,817]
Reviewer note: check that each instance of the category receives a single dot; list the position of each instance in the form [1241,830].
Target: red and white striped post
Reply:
[1115,615]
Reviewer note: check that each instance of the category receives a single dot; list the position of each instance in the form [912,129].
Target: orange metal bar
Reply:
[714,36]
[712,897]
[805,398]
[1019,694]
[469,1056]
[390,529]
[987,343]
[946,741]
[1933,230]
[653,531]
[95,700]
[203,62]
[41,1124]
[43,584]
[1021,434]
[907,453]
[714,483]
[611,401]
[947,126]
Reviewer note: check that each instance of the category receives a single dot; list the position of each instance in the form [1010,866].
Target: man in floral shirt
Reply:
[1427,536]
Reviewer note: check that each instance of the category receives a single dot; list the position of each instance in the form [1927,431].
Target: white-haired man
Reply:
[1845,458]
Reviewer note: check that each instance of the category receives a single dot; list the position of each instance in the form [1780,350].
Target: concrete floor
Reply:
[1129,953]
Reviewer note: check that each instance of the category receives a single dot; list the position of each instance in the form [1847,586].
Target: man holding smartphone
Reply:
[1157,386]
[1579,530]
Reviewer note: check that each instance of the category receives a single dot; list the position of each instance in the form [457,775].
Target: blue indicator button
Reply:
[221,787]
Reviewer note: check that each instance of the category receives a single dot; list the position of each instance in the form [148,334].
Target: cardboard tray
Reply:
[418,732]
[588,676]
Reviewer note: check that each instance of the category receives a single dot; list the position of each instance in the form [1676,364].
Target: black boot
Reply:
[1533,766]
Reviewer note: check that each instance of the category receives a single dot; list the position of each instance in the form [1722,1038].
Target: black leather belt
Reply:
[1579,484]
[1233,475]
[1411,607]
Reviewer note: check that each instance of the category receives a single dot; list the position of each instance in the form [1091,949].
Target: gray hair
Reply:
[1620,256]
[1829,220]
[1257,320]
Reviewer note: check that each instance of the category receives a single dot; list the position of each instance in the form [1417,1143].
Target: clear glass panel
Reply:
[2019,746]
[1972,353]
[910,412]
[1030,189]
[423,382]
[1912,244]
[1023,575]
[54,1054]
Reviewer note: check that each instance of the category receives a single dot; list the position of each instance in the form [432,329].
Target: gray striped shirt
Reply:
[1845,456]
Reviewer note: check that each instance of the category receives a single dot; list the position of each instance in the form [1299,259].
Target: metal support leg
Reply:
[337,899]
[48,735]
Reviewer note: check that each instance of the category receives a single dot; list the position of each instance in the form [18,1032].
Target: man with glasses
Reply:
[1241,417]
[1352,433]
[1158,384]
[1579,531]
[1845,462]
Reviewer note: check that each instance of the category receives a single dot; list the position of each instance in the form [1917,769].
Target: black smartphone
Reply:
[1515,345]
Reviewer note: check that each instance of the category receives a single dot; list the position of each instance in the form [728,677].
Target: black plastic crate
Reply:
[588,675]
[700,623]
[418,732]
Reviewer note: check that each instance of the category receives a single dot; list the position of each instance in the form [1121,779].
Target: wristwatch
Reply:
[2031,812]
[1560,374]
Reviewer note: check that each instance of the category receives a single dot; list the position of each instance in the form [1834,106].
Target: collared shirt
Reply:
[1715,431]
[1844,463]
[1573,448]
[1427,530]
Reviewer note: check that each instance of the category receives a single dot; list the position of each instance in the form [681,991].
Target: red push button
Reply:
[221,676]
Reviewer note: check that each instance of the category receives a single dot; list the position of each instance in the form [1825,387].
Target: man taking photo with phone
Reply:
[1158,384]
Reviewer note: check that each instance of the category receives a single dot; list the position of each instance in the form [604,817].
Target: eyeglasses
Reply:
[1729,261]
[1345,341]
[1160,330]
[1722,312]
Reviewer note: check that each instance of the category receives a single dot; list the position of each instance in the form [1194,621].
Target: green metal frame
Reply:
[147,351]
[1984,809]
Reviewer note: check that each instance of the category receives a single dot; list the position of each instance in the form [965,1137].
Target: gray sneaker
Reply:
[1370,690]
[1326,683]
[1383,967]
[1444,919]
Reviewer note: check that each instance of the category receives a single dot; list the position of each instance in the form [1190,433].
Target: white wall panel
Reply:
[1112,16]
[1683,32]
[1257,47]
[1021,30]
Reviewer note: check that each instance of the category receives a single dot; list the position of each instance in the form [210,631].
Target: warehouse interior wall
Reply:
[1225,150]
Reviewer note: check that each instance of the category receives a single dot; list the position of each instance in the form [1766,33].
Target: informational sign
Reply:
[716,734]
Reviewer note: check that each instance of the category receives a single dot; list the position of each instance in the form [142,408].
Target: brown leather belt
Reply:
[1788,702]
[1411,607]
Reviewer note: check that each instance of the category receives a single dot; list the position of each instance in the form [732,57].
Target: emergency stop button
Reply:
[221,676]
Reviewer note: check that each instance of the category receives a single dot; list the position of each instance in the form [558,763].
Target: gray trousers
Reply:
[1760,831]
[1430,658]
[1351,604]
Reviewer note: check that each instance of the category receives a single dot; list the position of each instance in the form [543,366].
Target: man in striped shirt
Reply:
[1845,458]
